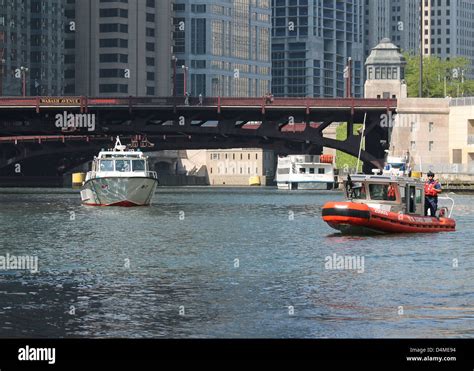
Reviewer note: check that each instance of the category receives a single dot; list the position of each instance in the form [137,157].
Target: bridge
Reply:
[77,127]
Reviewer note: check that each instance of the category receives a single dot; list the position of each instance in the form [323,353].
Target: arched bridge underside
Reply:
[77,127]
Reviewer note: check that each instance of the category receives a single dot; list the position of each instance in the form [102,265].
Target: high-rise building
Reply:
[70,48]
[398,20]
[311,43]
[222,47]
[32,37]
[118,48]
[405,24]
[448,29]
[377,23]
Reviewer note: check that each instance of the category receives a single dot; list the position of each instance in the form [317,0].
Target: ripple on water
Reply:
[204,262]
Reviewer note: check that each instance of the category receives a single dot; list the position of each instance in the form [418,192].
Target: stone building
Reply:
[385,72]
[236,166]
[434,133]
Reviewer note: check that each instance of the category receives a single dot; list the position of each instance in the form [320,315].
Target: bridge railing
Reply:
[193,101]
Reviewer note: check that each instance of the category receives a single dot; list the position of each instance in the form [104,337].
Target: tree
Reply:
[439,77]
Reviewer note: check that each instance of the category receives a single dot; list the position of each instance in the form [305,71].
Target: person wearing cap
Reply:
[432,189]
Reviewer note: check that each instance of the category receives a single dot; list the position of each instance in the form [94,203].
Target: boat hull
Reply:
[316,186]
[118,191]
[355,218]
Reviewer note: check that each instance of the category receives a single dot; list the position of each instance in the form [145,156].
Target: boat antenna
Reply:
[360,144]
[118,145]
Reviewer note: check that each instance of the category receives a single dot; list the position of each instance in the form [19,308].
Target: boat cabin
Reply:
[120,162]
[387,192]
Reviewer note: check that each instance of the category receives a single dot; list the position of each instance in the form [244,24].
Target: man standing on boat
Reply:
[432,189]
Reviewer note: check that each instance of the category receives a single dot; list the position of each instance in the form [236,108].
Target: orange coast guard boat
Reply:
[386,204]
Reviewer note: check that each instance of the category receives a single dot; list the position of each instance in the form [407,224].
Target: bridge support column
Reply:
[376,142]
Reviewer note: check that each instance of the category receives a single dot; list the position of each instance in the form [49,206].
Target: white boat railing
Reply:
[450,209]
[148,174]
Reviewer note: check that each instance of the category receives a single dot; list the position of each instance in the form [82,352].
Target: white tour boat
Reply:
[119,177]
[305,172]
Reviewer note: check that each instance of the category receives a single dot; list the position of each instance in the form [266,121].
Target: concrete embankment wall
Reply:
[182,180]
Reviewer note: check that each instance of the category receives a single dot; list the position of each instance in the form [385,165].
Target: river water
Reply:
[226,263]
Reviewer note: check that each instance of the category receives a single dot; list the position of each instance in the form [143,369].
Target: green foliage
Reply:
[435,71]
[344,160]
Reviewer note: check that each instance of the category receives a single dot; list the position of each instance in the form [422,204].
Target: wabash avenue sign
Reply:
[60,101]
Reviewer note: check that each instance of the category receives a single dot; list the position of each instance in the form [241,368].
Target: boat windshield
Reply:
[138,165]
[122,165]
[358,192]
[106,165]
[382,192]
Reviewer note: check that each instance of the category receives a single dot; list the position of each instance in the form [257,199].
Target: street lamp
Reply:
[185,78]
[175,60]
[23,70]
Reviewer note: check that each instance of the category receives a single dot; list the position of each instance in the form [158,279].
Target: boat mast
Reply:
[360,144]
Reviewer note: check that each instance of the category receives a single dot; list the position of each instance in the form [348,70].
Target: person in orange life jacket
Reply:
[432,189]
[391,196]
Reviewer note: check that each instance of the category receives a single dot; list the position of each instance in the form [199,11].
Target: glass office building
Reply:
[222,47]
[448,30]
[32,36]
[398,20]
[311,43]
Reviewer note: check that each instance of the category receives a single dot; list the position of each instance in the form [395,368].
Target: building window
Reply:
[431,126]
[430,145]
[113,88]
[198,36]
[150,61]
[413,145]
[150,17]
[321,170]
[377,73]
[150,90]
[150,32]
[457,156]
